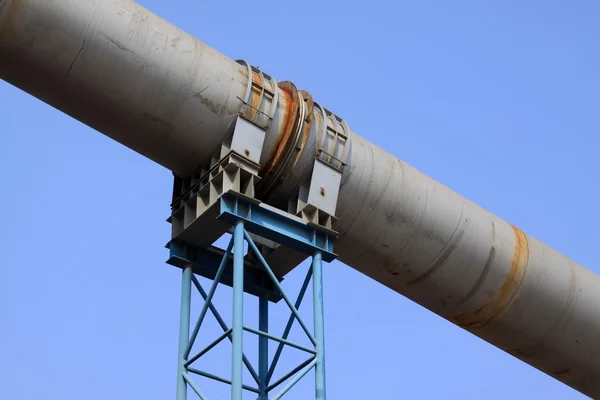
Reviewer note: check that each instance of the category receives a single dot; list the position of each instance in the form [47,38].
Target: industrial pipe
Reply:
[134,77]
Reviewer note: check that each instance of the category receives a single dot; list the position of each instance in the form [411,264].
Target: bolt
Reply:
[323,192]
[246,152]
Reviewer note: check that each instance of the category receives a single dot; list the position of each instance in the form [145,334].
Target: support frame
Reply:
[234,269]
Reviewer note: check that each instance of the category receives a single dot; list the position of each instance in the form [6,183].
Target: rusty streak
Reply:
[255,95]
[289,116]
[562,372]
[507,291]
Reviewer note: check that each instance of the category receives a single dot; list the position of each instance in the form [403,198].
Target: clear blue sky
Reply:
[497,100]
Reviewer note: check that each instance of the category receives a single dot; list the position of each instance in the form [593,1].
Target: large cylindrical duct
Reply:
[126,73]
[138,79]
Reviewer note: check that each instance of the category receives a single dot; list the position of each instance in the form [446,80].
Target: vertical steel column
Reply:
[184,331]
[263,346]
[238,311]
[317,269]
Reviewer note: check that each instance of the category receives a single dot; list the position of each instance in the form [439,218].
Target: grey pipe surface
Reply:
[143,82]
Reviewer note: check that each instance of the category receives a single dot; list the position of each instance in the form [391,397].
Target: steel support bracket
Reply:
[234,166]
[316,202]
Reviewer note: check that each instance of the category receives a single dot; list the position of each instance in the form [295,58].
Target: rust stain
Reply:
[13,11]
[524,354]
[507,291]
[310,108]
[289,116]
[255,95]
[562,372]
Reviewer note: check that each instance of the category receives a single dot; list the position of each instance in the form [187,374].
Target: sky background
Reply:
[497,100]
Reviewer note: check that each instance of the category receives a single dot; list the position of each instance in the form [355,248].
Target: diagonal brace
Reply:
[279,287]
[289,374]
[208,348]
[289,324]
[224,326]
[219,379]
[208,299]
[299,376]
[280,340]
